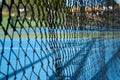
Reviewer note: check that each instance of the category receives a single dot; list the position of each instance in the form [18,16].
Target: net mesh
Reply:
[59,39]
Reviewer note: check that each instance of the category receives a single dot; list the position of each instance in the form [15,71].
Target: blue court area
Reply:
[68,58]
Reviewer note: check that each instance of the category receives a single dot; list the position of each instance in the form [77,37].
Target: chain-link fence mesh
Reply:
[59,39]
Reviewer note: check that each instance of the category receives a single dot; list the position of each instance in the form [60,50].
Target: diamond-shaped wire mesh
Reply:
[59,39]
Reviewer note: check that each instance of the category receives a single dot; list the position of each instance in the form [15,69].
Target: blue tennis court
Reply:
[33,57]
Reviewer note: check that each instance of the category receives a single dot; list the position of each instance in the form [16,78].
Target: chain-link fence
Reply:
[59,39]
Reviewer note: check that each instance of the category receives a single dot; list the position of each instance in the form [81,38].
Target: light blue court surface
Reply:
[82,58]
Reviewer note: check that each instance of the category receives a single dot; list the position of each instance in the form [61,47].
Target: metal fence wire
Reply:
[59,39]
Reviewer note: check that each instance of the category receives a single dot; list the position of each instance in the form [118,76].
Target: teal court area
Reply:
[80,58]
